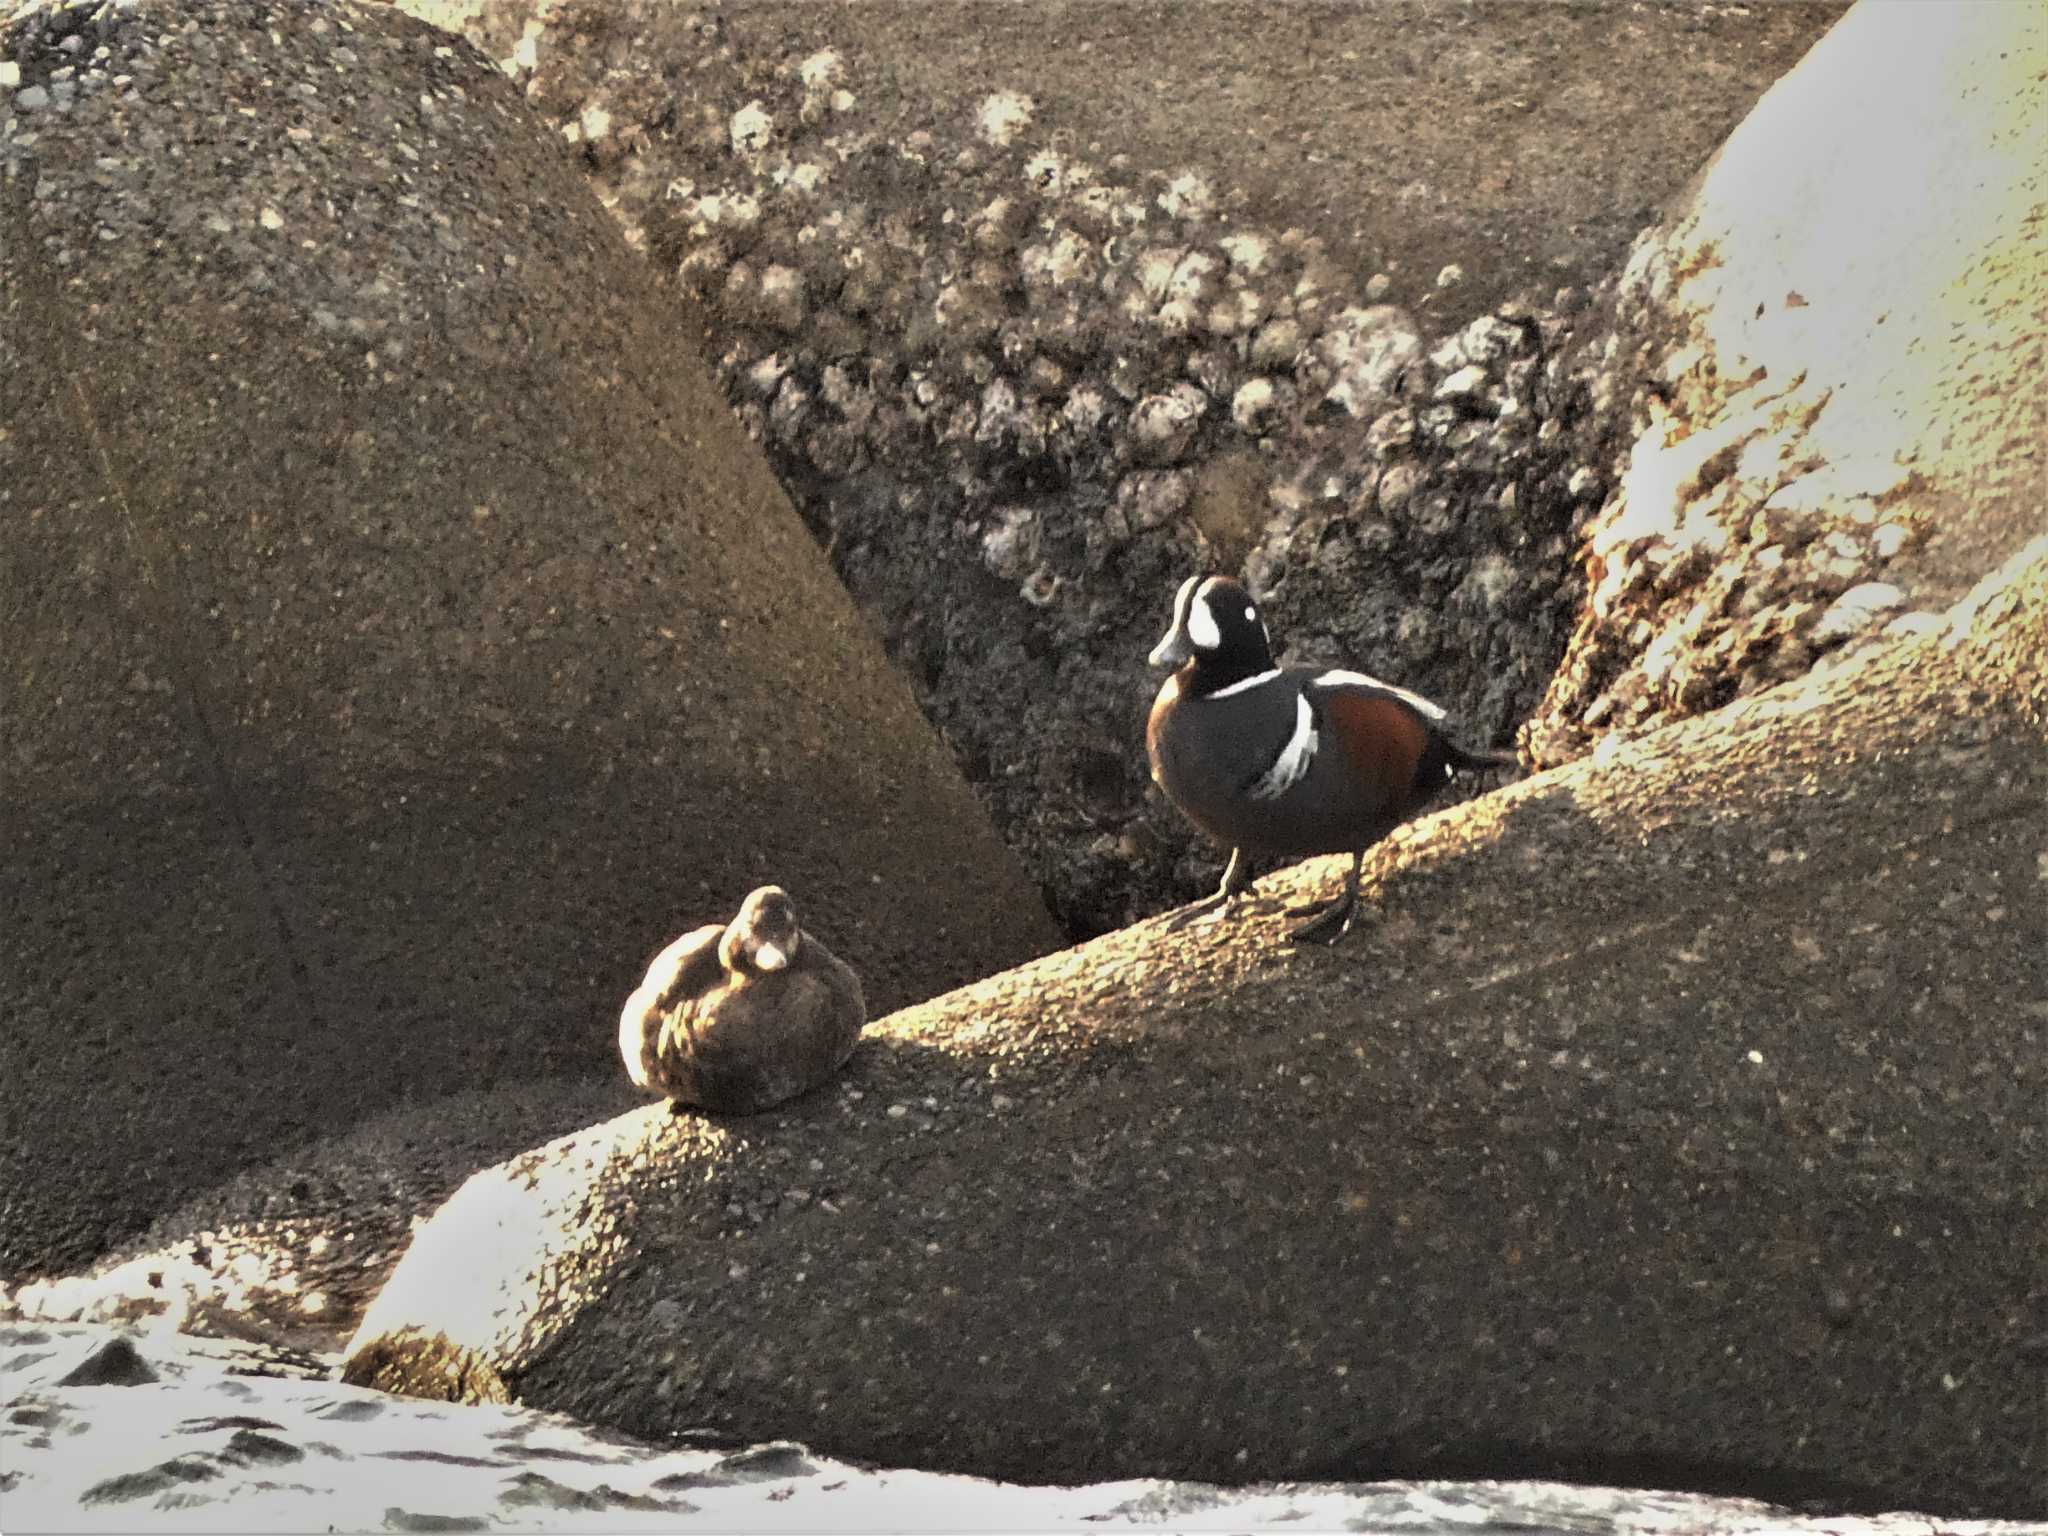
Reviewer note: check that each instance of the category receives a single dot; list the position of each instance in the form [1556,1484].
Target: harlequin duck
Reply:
[739,1018]
[1286,760]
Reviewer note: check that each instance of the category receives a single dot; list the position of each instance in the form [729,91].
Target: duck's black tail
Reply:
[1477,762]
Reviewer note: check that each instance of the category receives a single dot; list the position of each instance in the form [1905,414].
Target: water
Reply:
[203,1447]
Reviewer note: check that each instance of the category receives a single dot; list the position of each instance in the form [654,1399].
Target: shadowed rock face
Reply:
[1038,309]
[1681,1122]
[401,642]
[1836,349]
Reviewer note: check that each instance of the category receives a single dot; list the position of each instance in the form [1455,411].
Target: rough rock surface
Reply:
[289,1254]
[1025,365]
[1831,359]
[401,641]
[1683,1103]
[1527,147]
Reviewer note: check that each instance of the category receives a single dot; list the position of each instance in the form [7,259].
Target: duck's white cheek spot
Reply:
[1203,633]
[770,957]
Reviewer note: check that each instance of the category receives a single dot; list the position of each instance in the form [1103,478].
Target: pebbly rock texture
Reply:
[1023,373]
[1683,1104]
[1527,147]
[1831,359]
[401,642]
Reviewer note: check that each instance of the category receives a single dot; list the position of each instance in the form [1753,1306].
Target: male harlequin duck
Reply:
[1286,760]
[739,1018]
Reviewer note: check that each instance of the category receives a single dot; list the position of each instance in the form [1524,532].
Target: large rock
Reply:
[1527,147]
[402,641]
[1033,328]
[1836,350]
[1683,1121]
[287,1255]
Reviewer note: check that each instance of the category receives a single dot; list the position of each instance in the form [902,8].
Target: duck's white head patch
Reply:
[1204,634]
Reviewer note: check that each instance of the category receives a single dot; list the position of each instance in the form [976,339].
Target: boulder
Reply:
[403,642]
[286,1255]
[1527,148]
[1032,295]
[1683,1121]
[1834,351]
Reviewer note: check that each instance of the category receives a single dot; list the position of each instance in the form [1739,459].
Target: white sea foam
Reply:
[203,1449]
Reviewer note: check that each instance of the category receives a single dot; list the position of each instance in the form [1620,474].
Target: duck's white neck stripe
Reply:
[1243,684]
[1294,758]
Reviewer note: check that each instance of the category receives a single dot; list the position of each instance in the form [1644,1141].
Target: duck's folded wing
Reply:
[687,968]
[1342,684]
[683,970]
[1386,732]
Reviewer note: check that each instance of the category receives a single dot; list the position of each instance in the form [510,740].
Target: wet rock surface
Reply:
[403,643]
[116,1363]
[286,1256]
[1024,368]
[1679,1104]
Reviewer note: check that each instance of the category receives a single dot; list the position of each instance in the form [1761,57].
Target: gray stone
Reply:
[1465,384]
[494,655]
[960,259]
[1368,352]
[1009,548]
[1152,498]
[1880,419]
[1489,339]
[1276,343]
[766,376]
[1862,607]
[1164,425]
[116,1363]
[783,300]
[1397,487]
[1581,1175]
[1260,404]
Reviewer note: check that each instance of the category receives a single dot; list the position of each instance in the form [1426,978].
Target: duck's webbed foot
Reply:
[1215,907]
[1332,918]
